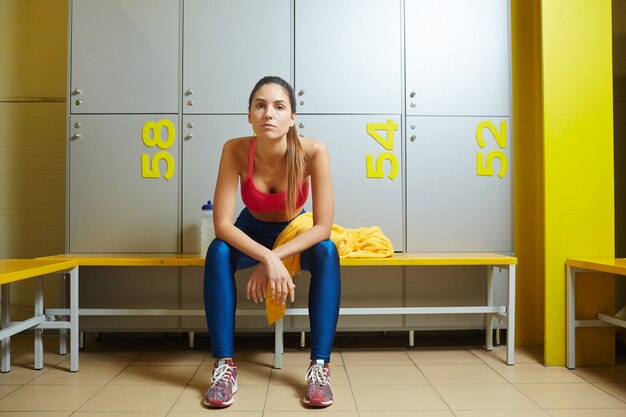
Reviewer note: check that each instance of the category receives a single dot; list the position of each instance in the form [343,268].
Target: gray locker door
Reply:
[362,201]
[204,137]
[457,57]
[124,56]
[114,205]
[349,56]
[450,208]
[229,46]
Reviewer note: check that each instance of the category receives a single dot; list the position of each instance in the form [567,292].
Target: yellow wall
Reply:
[578,164]
[33,62]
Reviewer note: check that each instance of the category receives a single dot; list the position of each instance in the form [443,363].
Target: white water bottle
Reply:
[207,231]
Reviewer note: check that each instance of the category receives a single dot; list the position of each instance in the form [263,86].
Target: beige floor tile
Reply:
[290,398]
[534,373]
[133,398]
[461,374]
[413,413]
[89,374]
[262,358]
[175,375]
[589,412]
[397,397]
[294,375]
[303,358]
[247,398]
[7,389]
[502,413]
[35,414]
[26,357]
[246,375]
[602,373]
[328,412]
[484,397]
[523,354]
[119,414]
[108,357]
[569,396]
[385,375]
[49,397]
[204,413]
[376,357]
[429,356]
[178,357]
[21,374]
[616,389]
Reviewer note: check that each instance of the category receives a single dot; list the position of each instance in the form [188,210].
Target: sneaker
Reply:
[223,385]
[318,392]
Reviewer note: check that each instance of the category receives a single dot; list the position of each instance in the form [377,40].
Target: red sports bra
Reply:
[261,202]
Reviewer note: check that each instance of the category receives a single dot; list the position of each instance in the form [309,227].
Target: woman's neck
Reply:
[271,151]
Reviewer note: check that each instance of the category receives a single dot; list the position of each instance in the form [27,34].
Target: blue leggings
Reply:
[220,292]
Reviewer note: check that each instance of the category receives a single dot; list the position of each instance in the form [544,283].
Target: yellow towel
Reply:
[365,242]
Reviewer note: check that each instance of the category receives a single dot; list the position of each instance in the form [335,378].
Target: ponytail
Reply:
[296,162]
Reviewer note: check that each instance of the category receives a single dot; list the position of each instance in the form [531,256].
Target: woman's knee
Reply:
[218,251]
[326,249]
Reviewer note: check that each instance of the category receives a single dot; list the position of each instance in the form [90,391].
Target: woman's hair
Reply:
[296,159]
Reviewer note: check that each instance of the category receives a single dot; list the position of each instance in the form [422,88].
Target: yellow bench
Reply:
[13,270]
[615,266]
[490,260]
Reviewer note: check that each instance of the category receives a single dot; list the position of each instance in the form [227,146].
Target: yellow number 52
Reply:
[484,167]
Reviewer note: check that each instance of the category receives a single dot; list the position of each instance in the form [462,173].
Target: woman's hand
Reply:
[280,282]
[257,284]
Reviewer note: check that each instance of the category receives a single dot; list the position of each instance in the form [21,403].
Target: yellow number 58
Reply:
[151,137]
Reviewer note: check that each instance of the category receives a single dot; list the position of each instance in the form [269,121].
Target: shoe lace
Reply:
[315,374]
[222,372]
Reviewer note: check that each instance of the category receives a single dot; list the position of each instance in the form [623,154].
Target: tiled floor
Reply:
[159,376]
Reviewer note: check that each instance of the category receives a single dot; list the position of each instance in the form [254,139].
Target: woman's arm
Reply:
[323,204]
[225,201]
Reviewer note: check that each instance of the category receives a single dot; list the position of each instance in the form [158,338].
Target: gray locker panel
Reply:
[349,56]
[449,207]
[124,56]
[112,208]
[229,46]
[457,57]
[446,286]
[361,201]
[133,288]
[201,157]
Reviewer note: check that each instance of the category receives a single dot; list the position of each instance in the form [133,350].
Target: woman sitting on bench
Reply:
[275,169]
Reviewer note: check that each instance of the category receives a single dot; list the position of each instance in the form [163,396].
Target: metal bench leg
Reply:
[571,317]
[510,331]
[74,319]
[278,344]
[192,340]
[63,332]
[4,322]
[302,340]
[411,339]
[38,332]
[488,316]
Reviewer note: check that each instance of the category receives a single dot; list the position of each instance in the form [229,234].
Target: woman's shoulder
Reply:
[237,145]
[313,147]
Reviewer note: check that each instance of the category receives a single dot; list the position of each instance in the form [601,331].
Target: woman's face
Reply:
[270,112]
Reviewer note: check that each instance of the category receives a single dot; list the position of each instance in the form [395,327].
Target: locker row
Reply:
[433,184]
[413,57]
